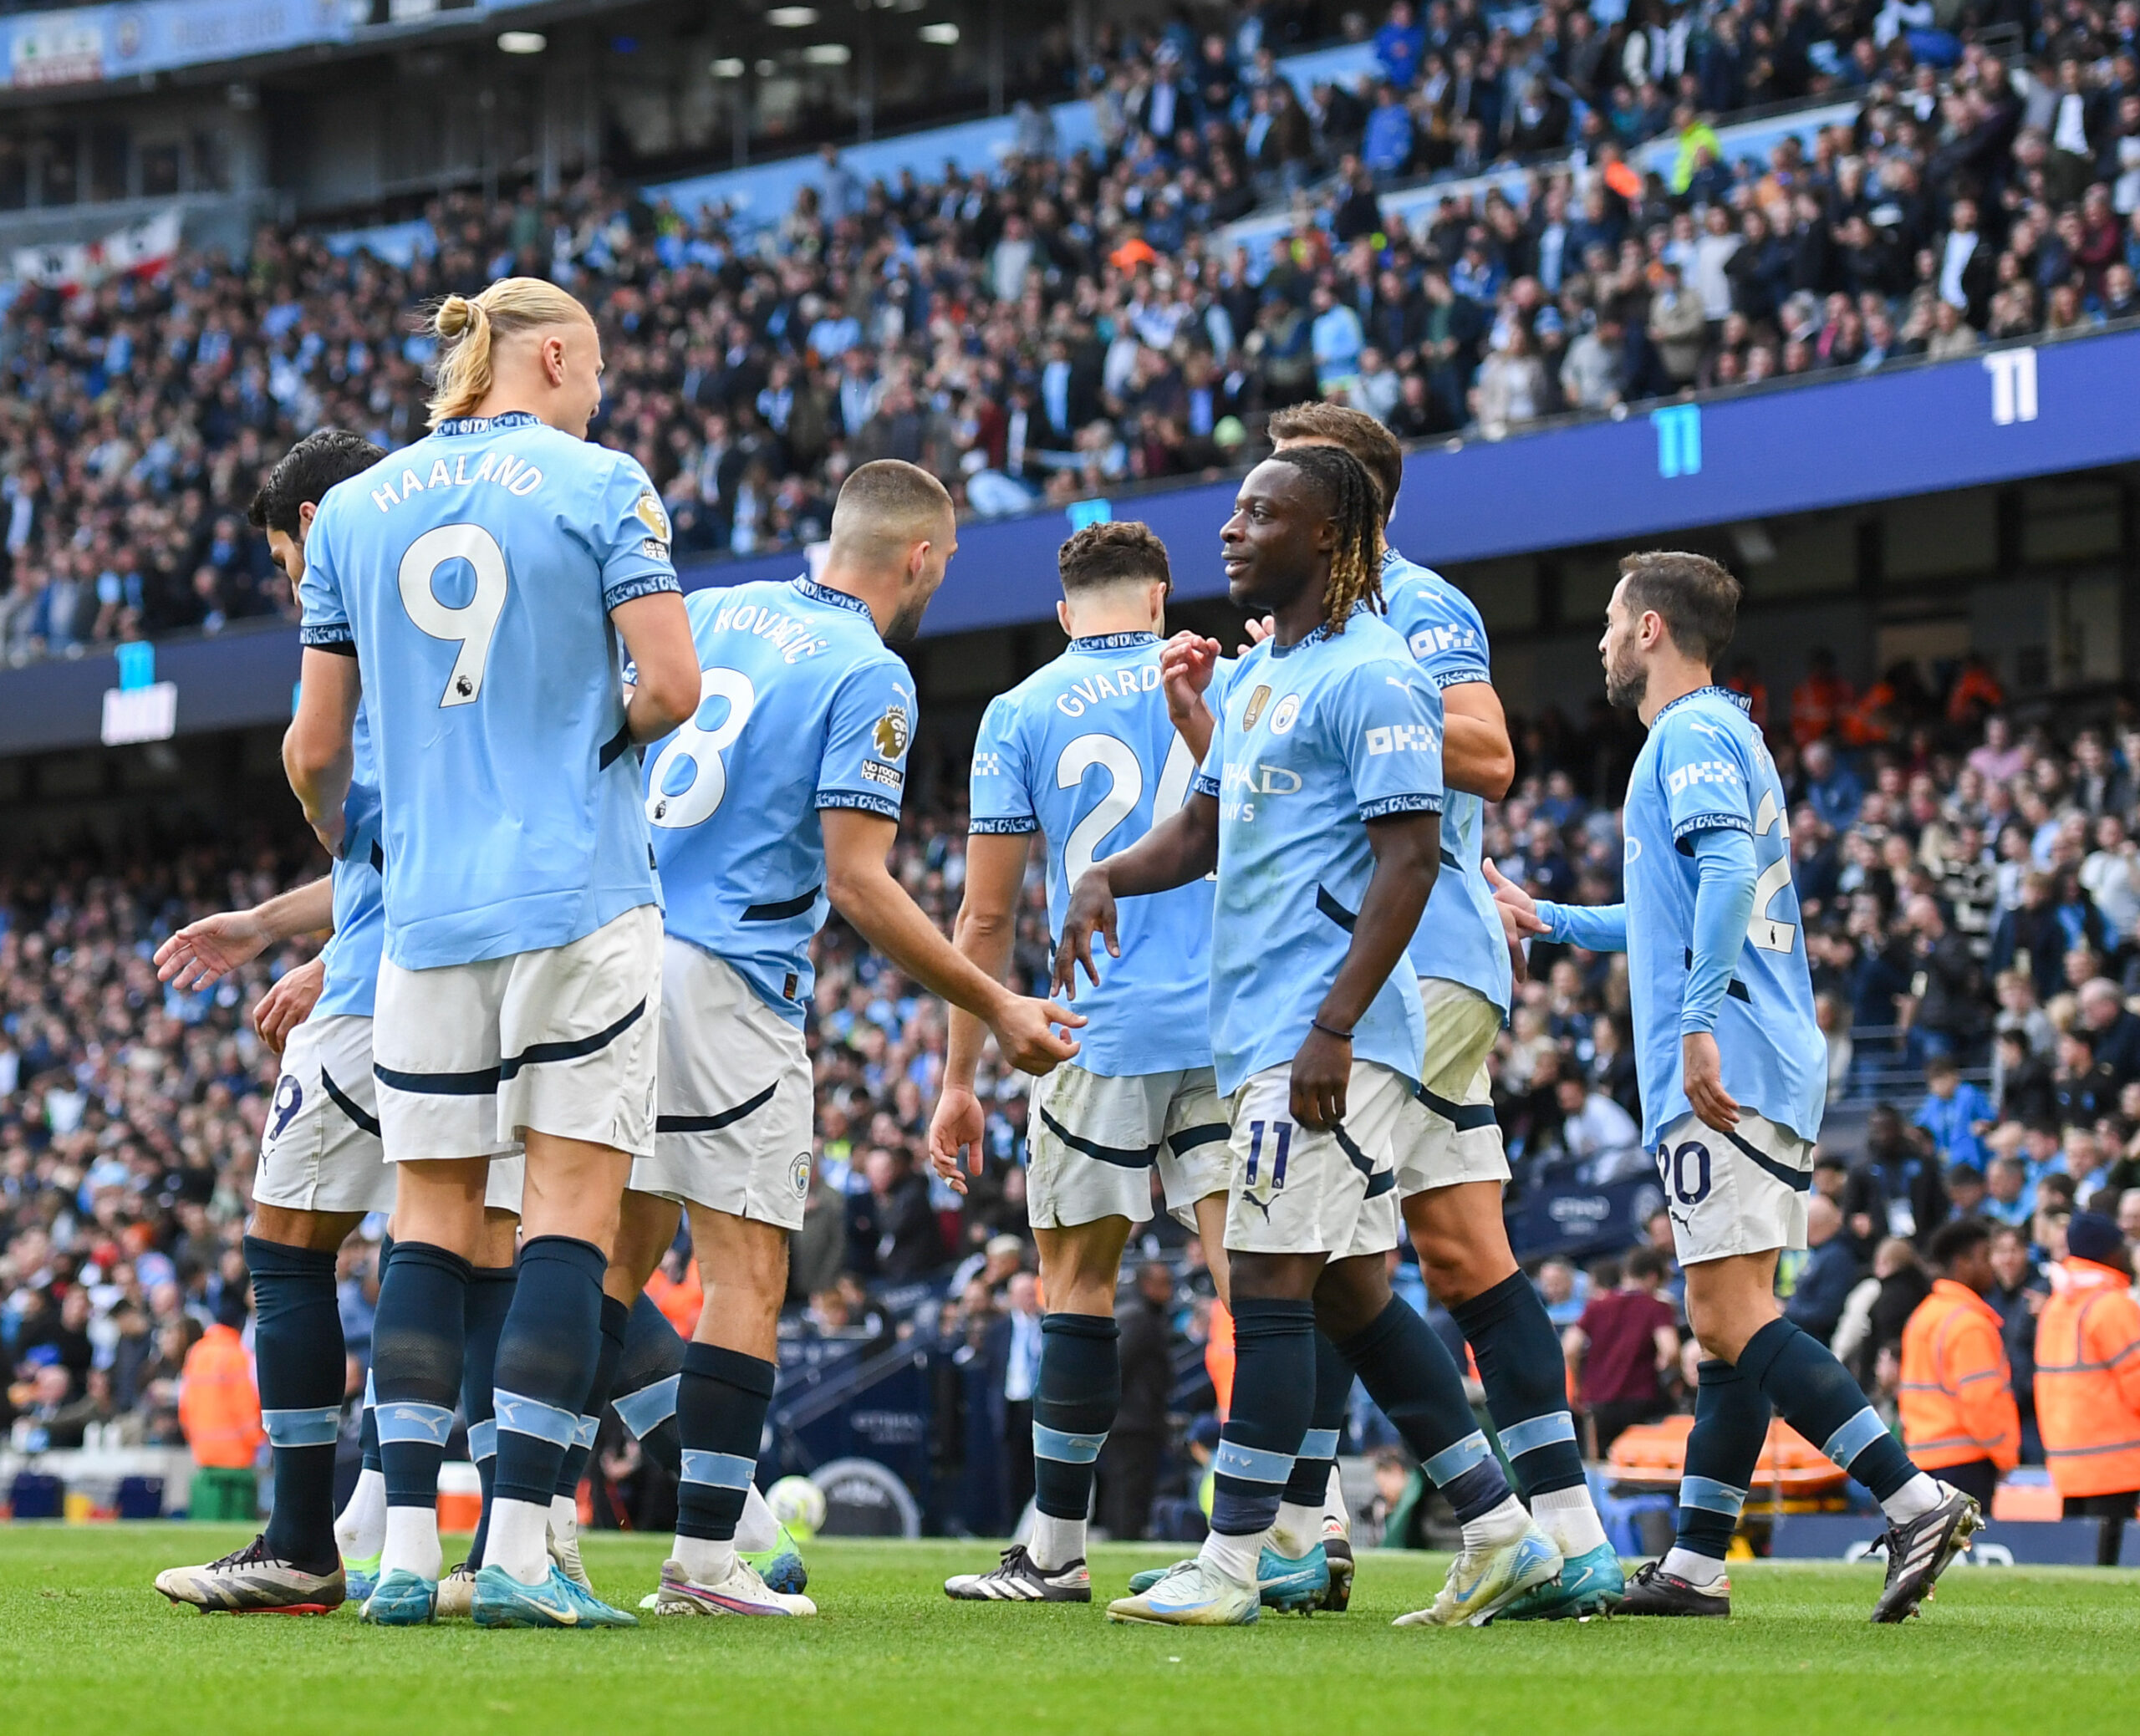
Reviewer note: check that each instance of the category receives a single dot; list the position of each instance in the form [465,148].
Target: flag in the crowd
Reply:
[142,246]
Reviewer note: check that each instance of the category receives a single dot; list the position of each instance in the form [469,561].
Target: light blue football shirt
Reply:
[351,954]
[1083,752]
[1705,766]
[474,573]
[1459,937]
[802,707]
[1312,741]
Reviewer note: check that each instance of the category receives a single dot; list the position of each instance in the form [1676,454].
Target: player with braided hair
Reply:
[1452,1192]
[1319,806]
[1355,580]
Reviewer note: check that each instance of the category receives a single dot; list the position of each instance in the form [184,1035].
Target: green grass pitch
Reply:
[86,1646]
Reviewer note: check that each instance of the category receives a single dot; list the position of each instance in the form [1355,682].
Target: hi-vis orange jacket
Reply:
[1956,1391]
[218,1406]
[2088,1382]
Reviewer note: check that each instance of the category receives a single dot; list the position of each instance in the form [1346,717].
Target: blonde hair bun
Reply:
[456,314]
[467,326]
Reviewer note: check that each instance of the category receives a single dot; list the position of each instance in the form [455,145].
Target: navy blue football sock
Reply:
[1814,1393]
[1310,1483]
[546,1353]
[368,1425]
[490,1299]
[1073,1408]
[614,1316]
[296,1344]
[720,1418]
[417,1341]
[1274,1396]
[644,1394]
[1410,1375]
[1526,1377]
[1731,1423]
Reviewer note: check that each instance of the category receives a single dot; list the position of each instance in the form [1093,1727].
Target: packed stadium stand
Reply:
[1491,228]
[1074,323]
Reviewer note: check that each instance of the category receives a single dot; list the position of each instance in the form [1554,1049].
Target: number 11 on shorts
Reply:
[1281,1140]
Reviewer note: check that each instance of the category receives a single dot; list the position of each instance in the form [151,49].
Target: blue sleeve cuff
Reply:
[1204,784]
[1400,804]
[861,799]
[650,583]
[1719,822]
[327,637]
[1460,677]
[1015,826]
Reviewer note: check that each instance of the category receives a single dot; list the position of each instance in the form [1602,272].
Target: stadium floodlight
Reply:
[728,67]
[791,18]
[944,36]
[522,42]
[828,54]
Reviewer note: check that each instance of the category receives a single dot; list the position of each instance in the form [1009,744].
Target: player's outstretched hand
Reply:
[1321,1071]
[1519,917]
[1025,1031]
[1259,628]
[955,1132]
[289,1003]
[1514,901]
[1187,662]
[202,952]
[1702,1069]
[1092,906]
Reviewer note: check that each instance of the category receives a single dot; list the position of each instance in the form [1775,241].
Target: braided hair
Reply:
[1356,511]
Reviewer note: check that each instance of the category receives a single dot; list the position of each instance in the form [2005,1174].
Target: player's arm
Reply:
[317,749]
[1182,848]
[629,541]
[1407,857]
[1476,754]
[857,842]
[986,933]
[1711,823]
[201,952]
[1388,727]
[1594,928]
[657,636]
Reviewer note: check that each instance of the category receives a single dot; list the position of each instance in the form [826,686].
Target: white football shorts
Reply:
[1299,1190]
[735,1111]
[563,1042]
[320,1149]
[1094,1141]
[1744,1191]
[1463,1140]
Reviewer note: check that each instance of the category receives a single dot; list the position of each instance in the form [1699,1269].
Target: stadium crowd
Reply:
[1971,890]
[1073,325]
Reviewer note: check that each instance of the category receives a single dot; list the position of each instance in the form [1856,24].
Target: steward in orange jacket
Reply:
[2088,1385]
[1820,703]
[1960,1419]
[218,1405]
